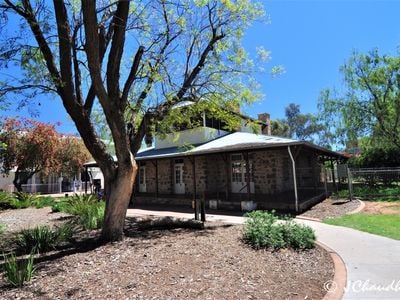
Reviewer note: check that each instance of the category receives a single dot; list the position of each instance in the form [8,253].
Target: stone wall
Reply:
[165,178]
[272,176]
[272,171]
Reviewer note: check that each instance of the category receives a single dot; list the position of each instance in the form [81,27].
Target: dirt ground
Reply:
[15,220]
[151,263]
[378,208]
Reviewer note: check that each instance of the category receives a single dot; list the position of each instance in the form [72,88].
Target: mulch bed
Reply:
[331,208]
[185,263]
[18,219]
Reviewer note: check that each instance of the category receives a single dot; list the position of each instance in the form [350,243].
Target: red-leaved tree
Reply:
[30,147]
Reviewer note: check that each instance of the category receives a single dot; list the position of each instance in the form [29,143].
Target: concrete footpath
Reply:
[372,262]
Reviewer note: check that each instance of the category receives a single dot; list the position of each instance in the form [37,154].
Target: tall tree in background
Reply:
[370,106]
[299,126]
[72,154]
[135,60]
[30,147]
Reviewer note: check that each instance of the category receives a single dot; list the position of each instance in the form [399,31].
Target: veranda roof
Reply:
[234,142]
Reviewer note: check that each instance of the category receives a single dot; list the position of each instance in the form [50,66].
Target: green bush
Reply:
[6,200]
[16,273]
[377,193]
[59,206]
[2,228]
[27,197]
[43,238]
[41,202]
[88,208]
[297,236]
[24,200]
[262,230]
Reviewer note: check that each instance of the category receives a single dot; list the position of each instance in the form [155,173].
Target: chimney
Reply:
[266,119]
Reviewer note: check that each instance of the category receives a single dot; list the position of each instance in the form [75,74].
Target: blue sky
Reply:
[311,39]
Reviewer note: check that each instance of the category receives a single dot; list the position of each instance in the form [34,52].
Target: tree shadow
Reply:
[157,227]
[341,202]
[139,229]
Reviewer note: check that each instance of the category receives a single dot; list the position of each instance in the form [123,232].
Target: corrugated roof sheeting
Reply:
[237,141]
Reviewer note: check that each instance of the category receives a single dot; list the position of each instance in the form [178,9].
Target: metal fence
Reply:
[371,183]
[48,188]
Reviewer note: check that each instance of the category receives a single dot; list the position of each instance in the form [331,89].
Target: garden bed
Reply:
[176,263]
[331,208]
[18,219]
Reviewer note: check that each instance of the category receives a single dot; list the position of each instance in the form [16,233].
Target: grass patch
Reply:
[41,202]
[16,273]
[43,238]
[24,200]
[384,225]
[377,193]
[2,228]
[6,200]
[88,209]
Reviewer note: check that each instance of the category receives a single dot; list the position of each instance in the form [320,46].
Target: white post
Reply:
[350,182]
[294,180]
[33,185]
[60,180]
[325,181]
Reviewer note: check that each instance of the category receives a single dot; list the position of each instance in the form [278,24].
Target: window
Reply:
[236,172]
[177,175]
[239,172]
[142,175]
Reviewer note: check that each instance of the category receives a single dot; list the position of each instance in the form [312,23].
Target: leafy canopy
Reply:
[33,146]
[370,103]
[299,126]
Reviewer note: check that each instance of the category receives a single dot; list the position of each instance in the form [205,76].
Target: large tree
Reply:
[370,103]
[298,125]
[135,60]
[29,147]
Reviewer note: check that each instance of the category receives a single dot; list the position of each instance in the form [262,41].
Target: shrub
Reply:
[17,272]
[88,208]
[23,200]
[261,230]
[6,200]
[41,202]
[27,197]
[59,206]
[43,238]
[92,216]
[2,228]
[297,236]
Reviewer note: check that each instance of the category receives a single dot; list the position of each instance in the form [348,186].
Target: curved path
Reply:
[372,262]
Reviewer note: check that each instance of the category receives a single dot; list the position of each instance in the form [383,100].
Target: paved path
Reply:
[372,262]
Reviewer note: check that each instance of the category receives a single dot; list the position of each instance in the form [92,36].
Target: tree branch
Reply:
[132,74]
[119,22]
[64,38]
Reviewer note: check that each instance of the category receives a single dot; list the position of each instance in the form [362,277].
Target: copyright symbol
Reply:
[330,286]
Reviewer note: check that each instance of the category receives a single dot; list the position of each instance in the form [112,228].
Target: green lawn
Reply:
[385,225]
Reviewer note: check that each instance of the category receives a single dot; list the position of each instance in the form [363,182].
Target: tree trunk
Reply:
[20,178]
[17,184]
[118,195]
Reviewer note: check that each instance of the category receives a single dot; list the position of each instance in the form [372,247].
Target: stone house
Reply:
[232,170]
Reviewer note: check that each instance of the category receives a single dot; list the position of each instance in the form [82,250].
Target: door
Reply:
[179,186]
[142,179]
[239,174]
